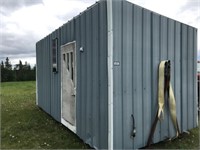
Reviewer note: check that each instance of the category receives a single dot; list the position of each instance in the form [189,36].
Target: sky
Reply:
[24,22]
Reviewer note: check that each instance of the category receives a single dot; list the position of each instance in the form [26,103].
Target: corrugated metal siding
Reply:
[55,79]
[91,34]
[42,72]
[141,40]
[89,30]
[48,82]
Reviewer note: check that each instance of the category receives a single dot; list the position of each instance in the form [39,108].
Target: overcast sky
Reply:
[24,22]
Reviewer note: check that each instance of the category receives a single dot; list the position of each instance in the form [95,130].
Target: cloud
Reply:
[185,11]
[167,8]
[192,5]
[8,6]
[24,22]
[190,14]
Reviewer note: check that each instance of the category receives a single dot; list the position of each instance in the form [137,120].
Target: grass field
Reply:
[25,126]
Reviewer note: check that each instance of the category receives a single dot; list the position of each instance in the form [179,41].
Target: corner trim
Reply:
[110,73]
[36,72]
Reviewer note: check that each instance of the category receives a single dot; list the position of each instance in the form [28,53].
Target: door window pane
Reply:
[54,54]
[68,61]
[72,69]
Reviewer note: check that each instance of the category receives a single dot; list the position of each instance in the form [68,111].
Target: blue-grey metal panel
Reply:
[141,40]
[41,74]
[55,80]
[154,68]
[163,56]
[38,59]
[89,30]
[170,50]
[117,76]
[195,111]
[146,75]
[190,72]
[177,78]
[127,88]
[89,74]
[137,76]
[95,78]
[184,68]
[83,71]
[91,35]
[103,75]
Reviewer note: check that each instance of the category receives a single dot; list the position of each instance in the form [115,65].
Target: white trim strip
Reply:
[68,44]
[110,74]
[36,81]
[68,125]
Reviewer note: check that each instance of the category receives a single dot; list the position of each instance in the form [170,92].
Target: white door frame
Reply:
[65,123]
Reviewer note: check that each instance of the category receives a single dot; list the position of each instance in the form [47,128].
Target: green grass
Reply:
[25,126]
[185,141]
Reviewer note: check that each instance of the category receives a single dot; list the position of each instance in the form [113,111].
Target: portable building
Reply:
[99,71]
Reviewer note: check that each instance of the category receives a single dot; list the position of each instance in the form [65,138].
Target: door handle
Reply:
[74,92]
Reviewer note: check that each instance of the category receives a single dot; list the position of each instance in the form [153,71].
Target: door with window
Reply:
[68,86]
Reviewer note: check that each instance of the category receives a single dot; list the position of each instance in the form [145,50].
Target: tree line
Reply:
[18,72]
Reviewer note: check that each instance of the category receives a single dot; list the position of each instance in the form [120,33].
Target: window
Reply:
[198,66]
[55,55]
[72,67]
[64,57]
[68,61]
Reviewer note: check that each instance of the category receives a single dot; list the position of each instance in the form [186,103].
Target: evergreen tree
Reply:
[2,71]
[6,71]
[8,64]
[19,73]
[2,65]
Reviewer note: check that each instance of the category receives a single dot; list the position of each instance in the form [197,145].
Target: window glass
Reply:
[54,54]
[72,76]
[68,61]
[198,67]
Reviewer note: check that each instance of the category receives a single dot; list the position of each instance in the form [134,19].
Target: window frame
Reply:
[55,55]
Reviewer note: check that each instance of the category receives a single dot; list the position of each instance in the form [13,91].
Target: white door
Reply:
[68,86]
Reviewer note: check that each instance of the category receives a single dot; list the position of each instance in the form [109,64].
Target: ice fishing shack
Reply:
[103,75]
